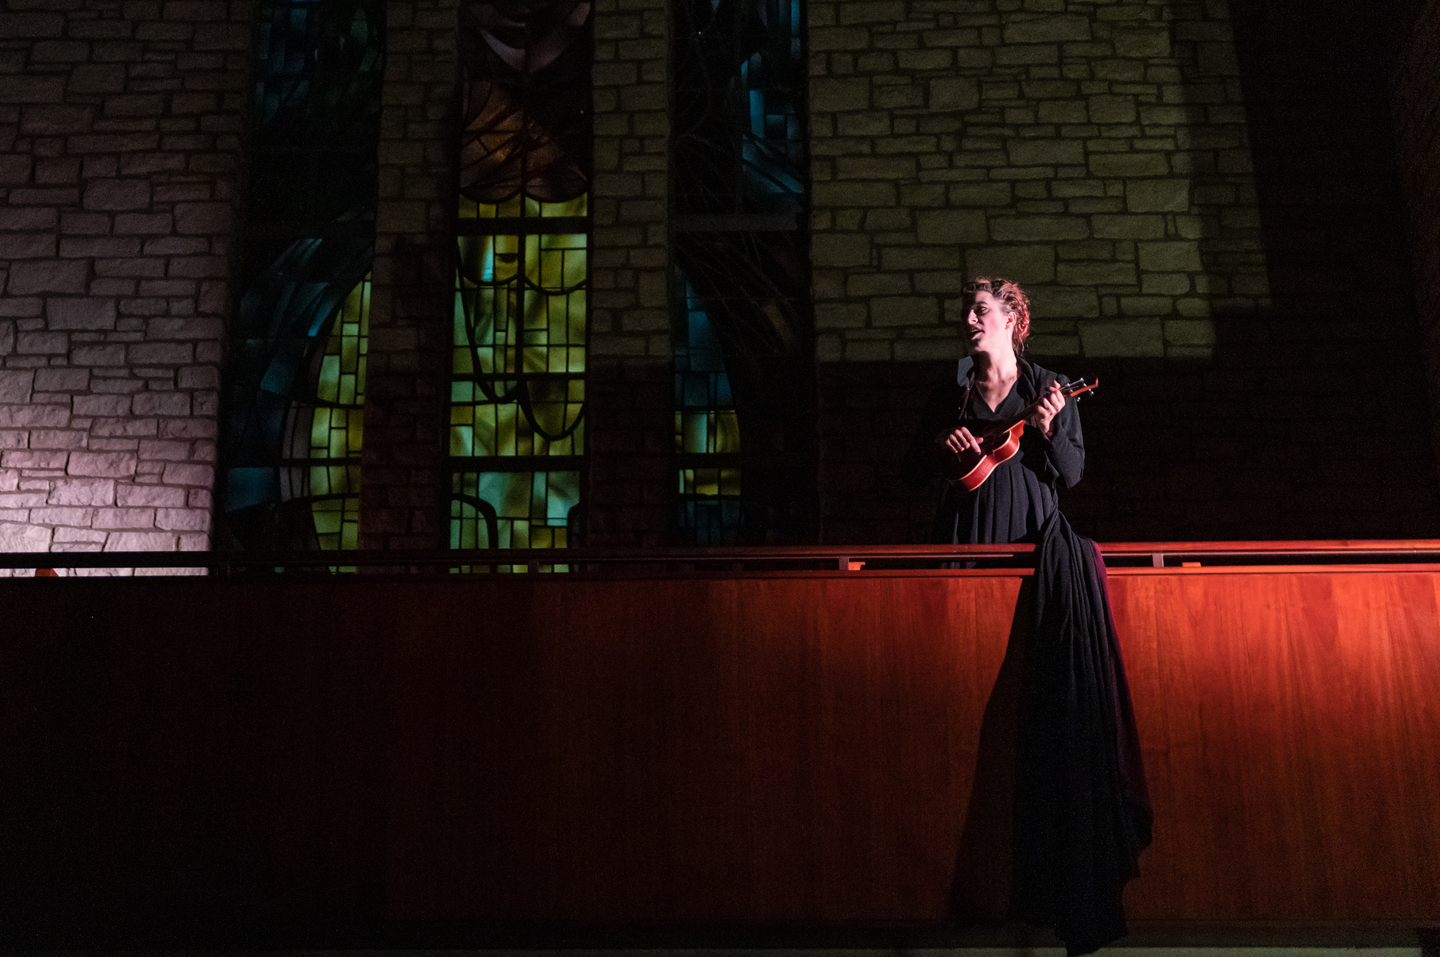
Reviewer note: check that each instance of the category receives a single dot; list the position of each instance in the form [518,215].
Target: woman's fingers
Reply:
[1054,402]
[1046,408]
[1049,406]
[961,440]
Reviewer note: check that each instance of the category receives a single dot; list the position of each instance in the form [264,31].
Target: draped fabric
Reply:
[1082,810]
[1081,814]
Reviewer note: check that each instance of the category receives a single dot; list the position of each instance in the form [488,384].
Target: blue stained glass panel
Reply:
[741,320]
[738,135]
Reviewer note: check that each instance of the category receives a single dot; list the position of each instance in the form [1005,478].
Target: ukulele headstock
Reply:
[1073,390]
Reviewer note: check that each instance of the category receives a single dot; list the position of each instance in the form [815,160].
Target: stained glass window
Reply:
[337,427]
[517,403]
[741,321]
[512,509]
[738,126]
[294,383]
[707,431]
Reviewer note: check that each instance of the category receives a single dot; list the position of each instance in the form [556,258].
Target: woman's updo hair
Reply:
[1016,304]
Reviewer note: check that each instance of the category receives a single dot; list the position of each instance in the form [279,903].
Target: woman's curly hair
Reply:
[1016,303]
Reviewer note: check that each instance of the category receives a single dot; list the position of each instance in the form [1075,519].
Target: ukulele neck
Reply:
[1070,390]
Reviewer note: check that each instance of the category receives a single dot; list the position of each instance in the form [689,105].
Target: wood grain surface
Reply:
[805,748]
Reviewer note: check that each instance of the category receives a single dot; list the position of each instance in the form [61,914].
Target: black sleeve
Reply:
[1064,449]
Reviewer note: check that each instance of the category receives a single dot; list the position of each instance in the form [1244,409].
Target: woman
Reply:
[995,384]
[1082,814]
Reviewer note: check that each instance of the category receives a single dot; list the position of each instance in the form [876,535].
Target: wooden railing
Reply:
[856,558]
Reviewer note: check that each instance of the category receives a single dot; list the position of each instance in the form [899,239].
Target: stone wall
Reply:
[630,424]
[119,151]
[1095,152]
[404,472]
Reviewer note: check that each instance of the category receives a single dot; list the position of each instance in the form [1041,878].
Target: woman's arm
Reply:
[1064,445]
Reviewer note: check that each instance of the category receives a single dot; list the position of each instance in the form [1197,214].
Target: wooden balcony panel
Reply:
[819,748]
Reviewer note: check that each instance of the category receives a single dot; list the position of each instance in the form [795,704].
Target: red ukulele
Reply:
[1000,443]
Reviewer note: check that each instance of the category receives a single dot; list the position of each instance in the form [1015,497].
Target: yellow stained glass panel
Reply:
[520,307]
[707,432]
[525,206]
[337,426]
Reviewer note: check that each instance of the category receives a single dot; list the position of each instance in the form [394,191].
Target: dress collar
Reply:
[963,370]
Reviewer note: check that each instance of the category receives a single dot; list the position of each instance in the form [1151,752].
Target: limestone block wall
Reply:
[630,398]
[404,475]
[1094,151]
[629,306]
[120,127]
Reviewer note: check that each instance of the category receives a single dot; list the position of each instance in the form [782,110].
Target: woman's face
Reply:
[988,325]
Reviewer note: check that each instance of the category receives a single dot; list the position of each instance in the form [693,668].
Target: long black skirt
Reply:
[1082,811]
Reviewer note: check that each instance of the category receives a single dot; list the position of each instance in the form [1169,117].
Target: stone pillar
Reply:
[630,398]
[404,475]
[119,150]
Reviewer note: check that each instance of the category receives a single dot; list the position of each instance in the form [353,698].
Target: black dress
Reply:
[1020,494]
[1082,811]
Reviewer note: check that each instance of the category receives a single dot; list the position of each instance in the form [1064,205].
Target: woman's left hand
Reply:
[1050,405]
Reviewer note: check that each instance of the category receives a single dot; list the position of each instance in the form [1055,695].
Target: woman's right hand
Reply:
[960,441]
